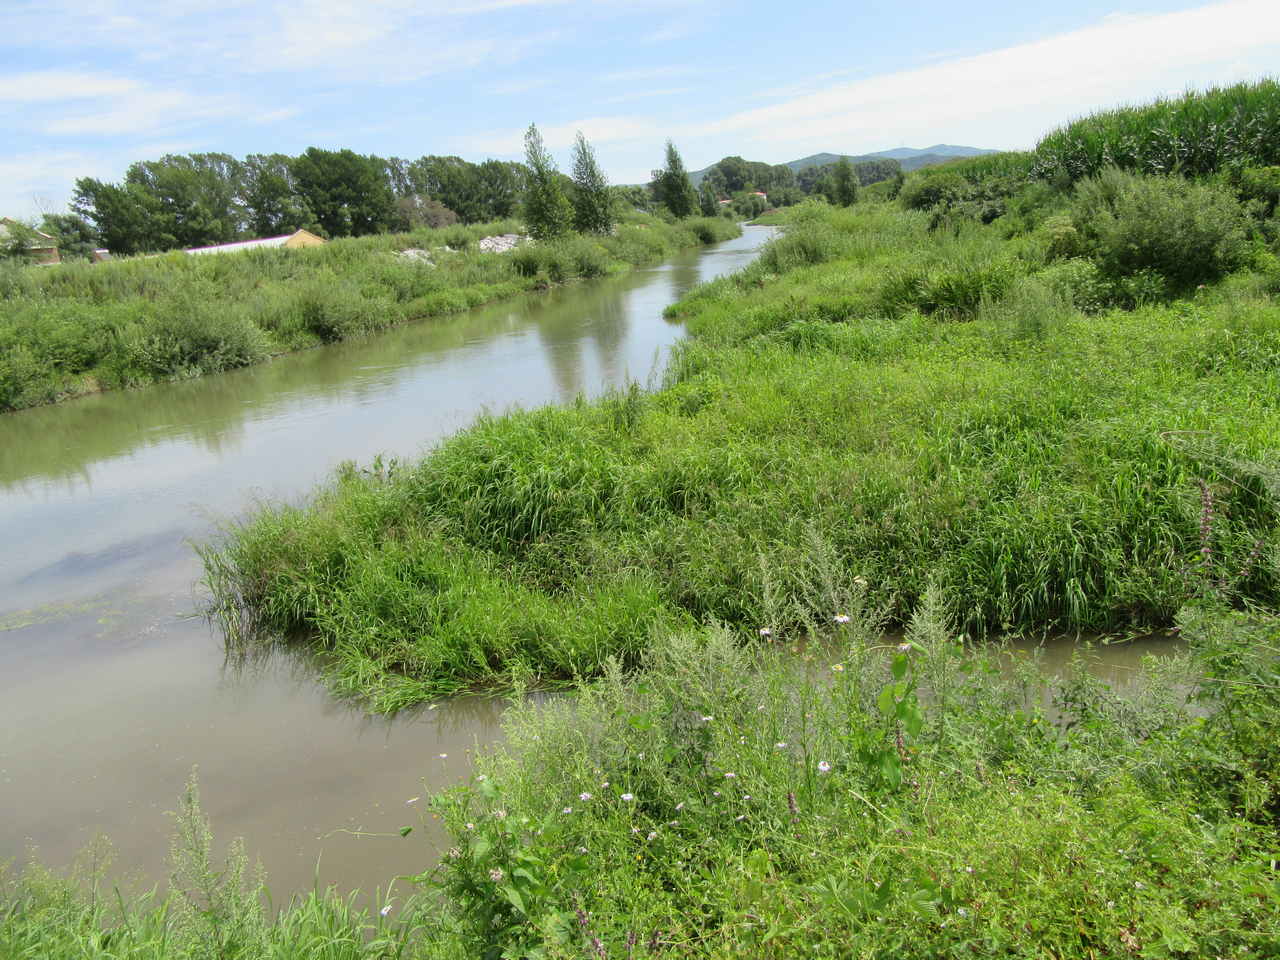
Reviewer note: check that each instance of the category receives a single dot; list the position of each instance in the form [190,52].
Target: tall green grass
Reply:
[1019,460]
[78,327]
[934,799]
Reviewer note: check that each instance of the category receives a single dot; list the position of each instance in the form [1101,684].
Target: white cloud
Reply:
[1020,90]
[45,86]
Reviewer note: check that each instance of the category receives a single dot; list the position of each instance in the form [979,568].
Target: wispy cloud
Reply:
[1056,74]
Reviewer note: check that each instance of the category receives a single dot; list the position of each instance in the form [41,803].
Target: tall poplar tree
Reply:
[844,183]
[673,186]
[592,198]
[547,213]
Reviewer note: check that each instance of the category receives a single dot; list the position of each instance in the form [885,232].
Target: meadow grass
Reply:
[76,328]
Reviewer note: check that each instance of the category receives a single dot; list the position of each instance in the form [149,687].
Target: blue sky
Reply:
[87,86]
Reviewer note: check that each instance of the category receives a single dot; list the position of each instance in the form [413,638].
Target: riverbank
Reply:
[79,328]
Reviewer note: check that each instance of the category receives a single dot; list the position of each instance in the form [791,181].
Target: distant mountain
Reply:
[909,157]
[941,149]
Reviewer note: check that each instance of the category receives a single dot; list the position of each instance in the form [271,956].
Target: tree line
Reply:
[740,181]
[202,199]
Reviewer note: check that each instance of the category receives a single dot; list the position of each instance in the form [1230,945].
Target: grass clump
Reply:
[211,912]
[76,328]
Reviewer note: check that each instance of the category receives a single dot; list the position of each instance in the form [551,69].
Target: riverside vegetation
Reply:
[1021,396]
[73,329]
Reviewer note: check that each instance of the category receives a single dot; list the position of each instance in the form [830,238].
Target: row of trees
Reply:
[202,199]
[738,180]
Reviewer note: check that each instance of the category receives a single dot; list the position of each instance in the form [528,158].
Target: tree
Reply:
[592,199]
[844,183]
[420,210]
[77,239]
[709,199]
[272,204]
[126,215]
[16,241]
[349,194]
[672,186]
[547,213]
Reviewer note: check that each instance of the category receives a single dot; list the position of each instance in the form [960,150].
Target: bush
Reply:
[1182,231]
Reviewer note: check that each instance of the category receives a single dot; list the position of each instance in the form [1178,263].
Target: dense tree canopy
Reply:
[349,194]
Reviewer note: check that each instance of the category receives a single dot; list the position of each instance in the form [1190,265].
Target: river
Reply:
[111,691]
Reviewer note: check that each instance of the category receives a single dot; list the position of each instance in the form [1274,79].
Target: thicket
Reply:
[77,328]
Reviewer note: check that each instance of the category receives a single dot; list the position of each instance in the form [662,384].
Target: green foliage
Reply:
[741,798]
[77,239]
[349,194]
[593,200]
[828,385]
[672,187]
[1164,227]
[1193,135]
[476,193]
[844,183]
[73,329]
[16,243]
[546,211]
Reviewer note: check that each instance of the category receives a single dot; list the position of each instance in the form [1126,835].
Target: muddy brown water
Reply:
[111,691]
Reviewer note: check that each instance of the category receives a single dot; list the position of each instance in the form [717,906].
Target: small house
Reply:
[42,248]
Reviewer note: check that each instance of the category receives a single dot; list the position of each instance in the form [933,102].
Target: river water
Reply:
[111,692]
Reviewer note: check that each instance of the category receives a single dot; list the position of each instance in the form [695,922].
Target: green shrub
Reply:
[1182,231]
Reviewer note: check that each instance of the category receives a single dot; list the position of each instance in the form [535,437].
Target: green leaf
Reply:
[899,665]
[405,831]
[488,789]
[911,717]
[513,895]
[885,703]
[481,848]
[891,767]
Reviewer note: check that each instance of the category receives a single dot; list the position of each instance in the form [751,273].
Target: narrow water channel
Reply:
[111,692]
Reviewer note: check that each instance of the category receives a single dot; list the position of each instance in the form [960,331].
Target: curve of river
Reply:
[111,691]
